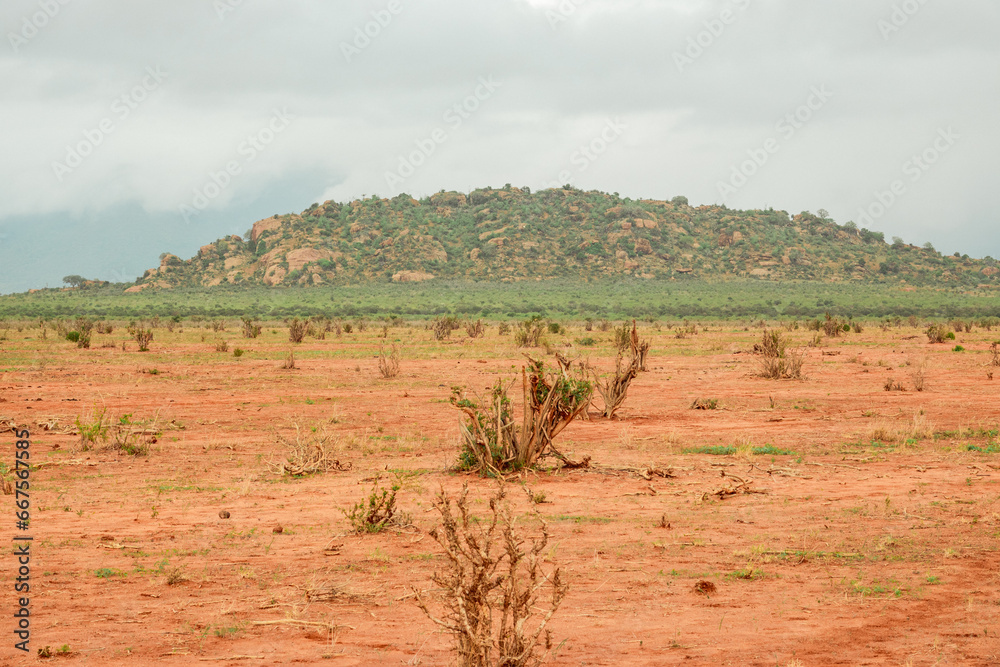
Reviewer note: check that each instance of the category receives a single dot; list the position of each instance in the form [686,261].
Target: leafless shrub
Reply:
[475,329]
[614,389]
[289,362]
[832,326]
[775,360]
[918,375]
[250,328]
[529,333]
[221,346]
[491,586]
[297,330]
[892,385]
[995,351]
[218,325]
[308,454]
[504,328]
[443,326]
[388,364]
[493,445]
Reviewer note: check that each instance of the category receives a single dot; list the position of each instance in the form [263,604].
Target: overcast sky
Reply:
[135,128]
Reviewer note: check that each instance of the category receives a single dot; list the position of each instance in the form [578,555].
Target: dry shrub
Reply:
[832,326]
[289,362]
[443,326]
[492,444]
[504,328]
[614,389]
[475,329]
[775,360]
[995,351]
[388,364]
[308,454]
[937,333]
[491,585]
[529,333]
[250,328]
[221,346]
[297,330]
[892,385]
[918,376]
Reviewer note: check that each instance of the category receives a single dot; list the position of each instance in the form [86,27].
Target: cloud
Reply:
[407,64]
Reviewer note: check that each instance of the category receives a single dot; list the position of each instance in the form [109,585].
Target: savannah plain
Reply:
[802,522]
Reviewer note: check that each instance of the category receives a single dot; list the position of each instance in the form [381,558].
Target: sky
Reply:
[136,128]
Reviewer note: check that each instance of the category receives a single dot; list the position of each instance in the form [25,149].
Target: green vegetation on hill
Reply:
[512,234]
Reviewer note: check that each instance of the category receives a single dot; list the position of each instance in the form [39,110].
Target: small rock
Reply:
[278,529]
[224,514]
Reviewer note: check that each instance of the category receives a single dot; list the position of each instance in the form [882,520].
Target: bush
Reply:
[443,326]
[489,586]
[586,342]
[529,332]
[142,336]
[475,329]
[376,512]
[296,330]
[250,329]
[221,346]
[493,445]
[775,360]
[73,336]
[556,328]
[388,364]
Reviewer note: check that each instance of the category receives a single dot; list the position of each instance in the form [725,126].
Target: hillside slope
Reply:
[512,234]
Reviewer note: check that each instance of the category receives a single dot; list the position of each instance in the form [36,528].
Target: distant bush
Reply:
[296,330]
[775,360]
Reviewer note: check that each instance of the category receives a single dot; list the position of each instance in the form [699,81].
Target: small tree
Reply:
[74,280]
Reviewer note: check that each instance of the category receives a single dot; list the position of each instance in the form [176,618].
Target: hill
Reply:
[512,234]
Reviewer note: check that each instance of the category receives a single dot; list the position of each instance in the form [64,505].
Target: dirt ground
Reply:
[868,535]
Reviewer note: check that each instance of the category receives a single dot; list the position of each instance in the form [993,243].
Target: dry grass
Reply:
[289,362]
[491,586]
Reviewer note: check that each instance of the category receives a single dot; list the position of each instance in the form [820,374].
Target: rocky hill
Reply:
[513,234]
